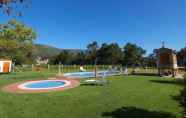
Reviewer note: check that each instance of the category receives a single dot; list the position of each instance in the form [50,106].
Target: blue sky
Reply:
[75,23]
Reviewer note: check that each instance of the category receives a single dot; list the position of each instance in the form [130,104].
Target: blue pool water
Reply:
[91,74]
[45,84]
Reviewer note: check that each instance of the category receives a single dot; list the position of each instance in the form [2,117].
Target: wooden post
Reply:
[159,72]
[48,66]
[96,68]
[62,68]
[32,67]
[75,68]
[59,69]
[66,67]
[95,71]
[173,72]
[146,69]
[13,67]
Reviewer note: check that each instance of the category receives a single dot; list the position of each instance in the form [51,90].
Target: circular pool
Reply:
[44,84]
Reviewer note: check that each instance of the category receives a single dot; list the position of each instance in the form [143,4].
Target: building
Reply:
[166,62]
[42,60]
[5,65]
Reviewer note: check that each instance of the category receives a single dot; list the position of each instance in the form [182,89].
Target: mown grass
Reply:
[123,97]
[183,98]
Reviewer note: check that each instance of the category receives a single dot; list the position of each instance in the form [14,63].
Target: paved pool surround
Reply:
[20,88]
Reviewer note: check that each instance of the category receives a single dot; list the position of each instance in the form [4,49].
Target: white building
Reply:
[41,60]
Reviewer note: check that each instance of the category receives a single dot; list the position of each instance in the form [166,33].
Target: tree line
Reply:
[112,54]
[107,54]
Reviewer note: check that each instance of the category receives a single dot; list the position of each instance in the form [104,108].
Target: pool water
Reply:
[44,84]
[91,74]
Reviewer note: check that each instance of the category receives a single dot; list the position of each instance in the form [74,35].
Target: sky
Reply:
[73,24]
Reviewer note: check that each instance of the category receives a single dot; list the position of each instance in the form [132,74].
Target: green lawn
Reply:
[124,97]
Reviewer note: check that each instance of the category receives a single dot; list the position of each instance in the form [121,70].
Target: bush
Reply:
[183,100]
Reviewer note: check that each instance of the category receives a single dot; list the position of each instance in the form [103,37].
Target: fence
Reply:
[63,68]
[76,68]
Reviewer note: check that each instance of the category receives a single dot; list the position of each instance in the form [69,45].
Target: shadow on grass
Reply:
[182,100]
[91,84]
[82,84]
[133,112]
[145,74]
[178,82]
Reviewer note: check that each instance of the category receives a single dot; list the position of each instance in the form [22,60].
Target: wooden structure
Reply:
[166,62]
[5,65]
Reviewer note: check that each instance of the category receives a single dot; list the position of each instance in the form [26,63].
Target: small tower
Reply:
[166,61]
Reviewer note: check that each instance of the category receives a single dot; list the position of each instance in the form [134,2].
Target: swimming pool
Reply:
[91,74]
[44,84]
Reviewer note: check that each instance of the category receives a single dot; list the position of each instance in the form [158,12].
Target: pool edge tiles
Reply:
[14,88]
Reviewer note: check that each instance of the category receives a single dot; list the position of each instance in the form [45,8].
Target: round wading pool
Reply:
[44,84]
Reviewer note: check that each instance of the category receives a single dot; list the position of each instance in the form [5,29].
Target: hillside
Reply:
[46,51]
[49,51]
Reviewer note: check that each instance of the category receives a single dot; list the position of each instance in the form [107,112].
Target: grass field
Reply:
[123,97]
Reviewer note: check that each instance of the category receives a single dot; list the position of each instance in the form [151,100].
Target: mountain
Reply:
[46,51]
[50,51]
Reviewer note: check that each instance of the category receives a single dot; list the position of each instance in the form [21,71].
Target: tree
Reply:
[65,57]
[16,41]
[132,54]
[92,49]
[9,6]
[181,55]
[150,60]
[109,54]
[79,58]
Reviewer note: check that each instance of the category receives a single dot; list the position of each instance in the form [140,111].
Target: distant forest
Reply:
[111,54]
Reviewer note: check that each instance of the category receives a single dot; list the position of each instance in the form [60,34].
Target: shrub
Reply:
[183,100]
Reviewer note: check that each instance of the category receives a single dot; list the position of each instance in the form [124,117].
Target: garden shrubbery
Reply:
[183,94]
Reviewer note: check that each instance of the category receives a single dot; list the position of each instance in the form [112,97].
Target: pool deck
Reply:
[13,88]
